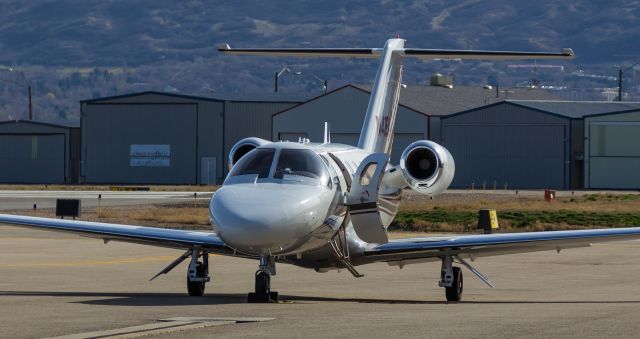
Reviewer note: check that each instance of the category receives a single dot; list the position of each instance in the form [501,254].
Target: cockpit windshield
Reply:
[257,162]
[300,162]
[292,164]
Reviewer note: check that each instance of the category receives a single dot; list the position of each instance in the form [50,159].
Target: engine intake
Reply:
[425,167]
[243,147]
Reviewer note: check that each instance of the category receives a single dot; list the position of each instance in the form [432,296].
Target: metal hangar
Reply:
[612,145]
[535,144]
[38,153]
[164,138]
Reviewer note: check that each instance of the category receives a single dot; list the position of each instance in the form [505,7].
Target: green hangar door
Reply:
[614,158]
[32,159]
[515,156]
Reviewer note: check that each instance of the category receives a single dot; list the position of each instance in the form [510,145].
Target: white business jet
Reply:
[327,206]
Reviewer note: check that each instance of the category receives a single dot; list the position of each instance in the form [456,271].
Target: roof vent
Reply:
[440,80]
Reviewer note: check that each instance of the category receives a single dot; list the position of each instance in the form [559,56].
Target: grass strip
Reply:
[456,221]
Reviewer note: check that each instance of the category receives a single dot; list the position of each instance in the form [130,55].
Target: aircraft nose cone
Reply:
[265,218]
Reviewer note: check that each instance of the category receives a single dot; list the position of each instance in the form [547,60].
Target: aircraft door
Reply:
[363,199]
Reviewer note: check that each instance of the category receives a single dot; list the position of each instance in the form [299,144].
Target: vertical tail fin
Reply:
[377,131]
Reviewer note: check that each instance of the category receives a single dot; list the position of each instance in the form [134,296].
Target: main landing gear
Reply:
[451,277]
[263,293]
[198,273]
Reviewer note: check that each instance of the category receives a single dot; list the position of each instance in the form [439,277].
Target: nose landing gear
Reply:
[263,293]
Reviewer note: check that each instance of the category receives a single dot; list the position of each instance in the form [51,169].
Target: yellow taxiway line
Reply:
[80,263]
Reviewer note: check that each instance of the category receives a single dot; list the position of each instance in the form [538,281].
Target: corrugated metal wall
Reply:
[210,137]
[508,145]
[248,119]
[577,154]
[37,159]
[34,153]
[612,145]
[112,129]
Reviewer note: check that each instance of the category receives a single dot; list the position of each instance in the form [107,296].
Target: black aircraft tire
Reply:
[262,283]
[196,288]
[454,293]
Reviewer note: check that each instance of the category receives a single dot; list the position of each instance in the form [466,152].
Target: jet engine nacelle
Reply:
[425,167]
[243,147]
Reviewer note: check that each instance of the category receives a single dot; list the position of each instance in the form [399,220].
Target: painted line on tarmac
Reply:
[163,326]
[82,263]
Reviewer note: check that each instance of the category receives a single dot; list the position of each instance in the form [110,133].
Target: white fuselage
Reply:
[290,214]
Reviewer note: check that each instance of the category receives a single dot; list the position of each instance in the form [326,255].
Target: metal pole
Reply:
[30,107]
[620,84]
[276,82]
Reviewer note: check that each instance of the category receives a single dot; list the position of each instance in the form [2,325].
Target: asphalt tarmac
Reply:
[54,284]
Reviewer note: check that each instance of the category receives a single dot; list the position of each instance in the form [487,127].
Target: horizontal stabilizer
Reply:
[485,55]
[409,52]
[304,52]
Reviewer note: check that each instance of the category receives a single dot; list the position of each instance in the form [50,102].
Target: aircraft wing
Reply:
[414,250]
[179,239]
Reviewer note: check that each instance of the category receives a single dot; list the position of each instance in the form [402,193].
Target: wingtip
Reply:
[568,52]
[224,47]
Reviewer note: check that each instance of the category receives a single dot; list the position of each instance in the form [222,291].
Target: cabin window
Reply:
[367,174]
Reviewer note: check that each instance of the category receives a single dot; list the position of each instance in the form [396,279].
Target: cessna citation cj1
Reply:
[327,206]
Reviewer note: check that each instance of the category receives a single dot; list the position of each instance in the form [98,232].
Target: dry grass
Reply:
[164,215]
[625,202]
[454,213]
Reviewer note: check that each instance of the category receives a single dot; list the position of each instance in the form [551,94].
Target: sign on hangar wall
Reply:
[150,156]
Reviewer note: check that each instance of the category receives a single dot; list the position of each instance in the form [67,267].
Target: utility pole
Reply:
[28,89]
[620,72]
[620,84]
[30,106]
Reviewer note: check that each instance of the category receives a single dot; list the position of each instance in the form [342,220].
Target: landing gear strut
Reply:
[198,273]
[451,279]
[263,293]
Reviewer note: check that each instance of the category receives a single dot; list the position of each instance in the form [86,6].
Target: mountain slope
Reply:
[113,33]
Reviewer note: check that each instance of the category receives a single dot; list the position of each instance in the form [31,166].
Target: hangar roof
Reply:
[340,89]
[260,97]
[439,101]
[31,122]
[578,109]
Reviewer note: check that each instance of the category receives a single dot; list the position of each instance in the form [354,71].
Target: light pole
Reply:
[279,74]
[7,69]
[323,82]
[620,72]
[286,69]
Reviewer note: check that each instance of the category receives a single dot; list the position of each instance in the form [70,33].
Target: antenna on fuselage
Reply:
[327,133]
